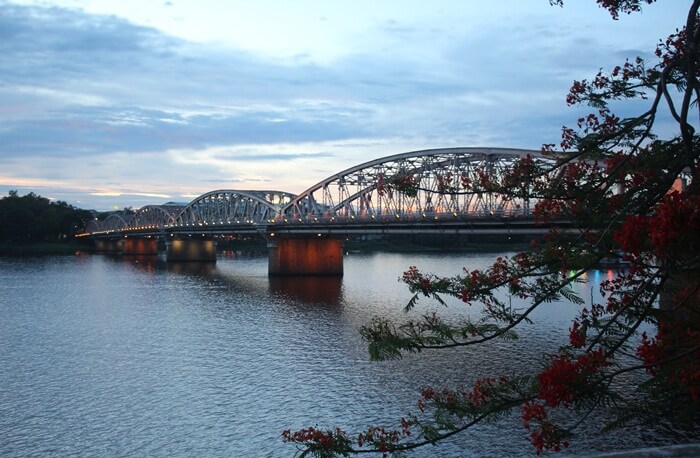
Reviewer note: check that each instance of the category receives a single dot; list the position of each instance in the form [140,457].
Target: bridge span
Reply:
[435,191]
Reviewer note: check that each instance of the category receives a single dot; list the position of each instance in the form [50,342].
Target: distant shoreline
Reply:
[42,249]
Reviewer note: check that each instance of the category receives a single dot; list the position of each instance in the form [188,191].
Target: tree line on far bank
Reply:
[32,218]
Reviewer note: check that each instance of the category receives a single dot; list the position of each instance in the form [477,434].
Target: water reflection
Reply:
[242,254]
[313,289]
[196,269]
[147,262]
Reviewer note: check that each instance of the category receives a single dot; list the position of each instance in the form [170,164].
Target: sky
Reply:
[106,104]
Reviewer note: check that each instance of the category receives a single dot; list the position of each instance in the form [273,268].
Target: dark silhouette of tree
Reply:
[32,218]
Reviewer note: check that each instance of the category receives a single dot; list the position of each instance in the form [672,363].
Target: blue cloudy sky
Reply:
[134,102]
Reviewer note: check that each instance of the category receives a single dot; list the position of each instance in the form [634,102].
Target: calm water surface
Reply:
[133,357]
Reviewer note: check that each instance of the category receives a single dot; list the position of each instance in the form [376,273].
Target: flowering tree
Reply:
[617,191]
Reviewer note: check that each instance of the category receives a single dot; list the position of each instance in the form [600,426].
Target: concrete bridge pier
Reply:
[191,249]
[305,256]
[140,246]
[109,246]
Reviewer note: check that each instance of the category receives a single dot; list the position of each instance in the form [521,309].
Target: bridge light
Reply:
[352,216]
[374,217]
[398,216]
[286,220]
[423,215]
[319,234]
[454,214]
[300,220]
[272,234]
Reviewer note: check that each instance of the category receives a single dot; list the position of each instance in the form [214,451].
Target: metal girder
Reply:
[114,222]
[93,226]
[155,216]
[233,206]
[420,182]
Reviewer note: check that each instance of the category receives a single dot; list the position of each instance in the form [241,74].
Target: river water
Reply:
[113,357]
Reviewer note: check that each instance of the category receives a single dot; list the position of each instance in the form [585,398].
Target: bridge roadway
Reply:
[341,227]
[437,191]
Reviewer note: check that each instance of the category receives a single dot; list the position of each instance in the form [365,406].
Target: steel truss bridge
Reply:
[420,191]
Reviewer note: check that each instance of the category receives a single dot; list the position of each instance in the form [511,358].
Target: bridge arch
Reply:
[93,226]
[155,216]
[114,223]
[415,183]
[233,207]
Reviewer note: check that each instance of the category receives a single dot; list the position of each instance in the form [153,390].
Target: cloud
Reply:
[97,104]
[264,157]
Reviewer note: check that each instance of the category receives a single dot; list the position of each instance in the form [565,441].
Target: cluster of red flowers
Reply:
[567,377]
[314,437]
[458,402]
[465,181]
[672,48]
[521,177]
[484,388]
[411,275]
[565,380]
[578,89]
[577,335]
[380,184]
[632,234]
[672,230]
[380,437]
[445,398]
[675,227]
[604,122]
[405,183]
[545,435]
[657,355]
[650,352]
[547,209]
[499,271]
[615,7]
[445,183]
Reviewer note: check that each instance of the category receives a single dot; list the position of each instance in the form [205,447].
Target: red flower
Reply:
[632,233]
[566,378]
[577,337]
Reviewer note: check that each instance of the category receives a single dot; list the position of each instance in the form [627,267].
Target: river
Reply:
[122,356]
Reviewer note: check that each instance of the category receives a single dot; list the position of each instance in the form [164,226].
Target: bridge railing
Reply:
[405,216]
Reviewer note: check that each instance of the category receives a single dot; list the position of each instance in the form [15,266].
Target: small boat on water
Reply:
[617,259]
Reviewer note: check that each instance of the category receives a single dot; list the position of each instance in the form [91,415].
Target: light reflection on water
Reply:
[132,356]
